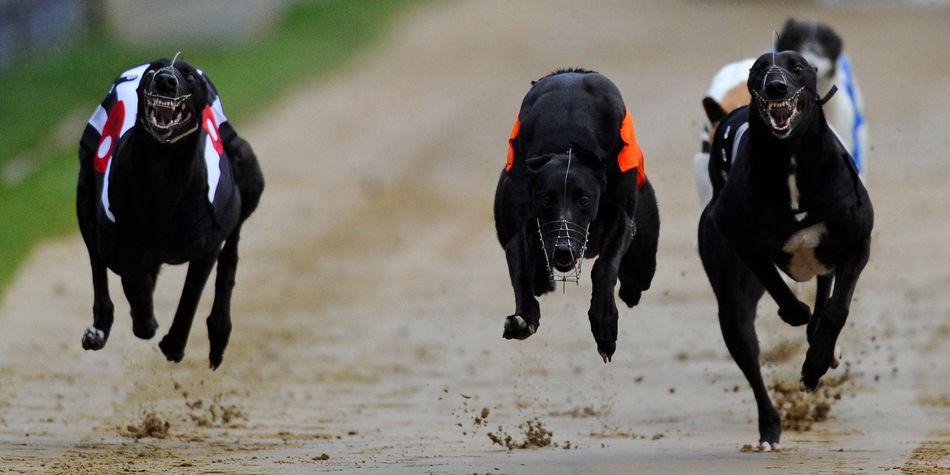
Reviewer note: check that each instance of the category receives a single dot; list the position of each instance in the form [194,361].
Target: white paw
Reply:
[766,447]
[93,338]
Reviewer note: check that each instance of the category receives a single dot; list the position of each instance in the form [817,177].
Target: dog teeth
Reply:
[178,106]
[784,104]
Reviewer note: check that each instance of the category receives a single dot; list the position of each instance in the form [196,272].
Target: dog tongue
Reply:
[781,114]
[164,115]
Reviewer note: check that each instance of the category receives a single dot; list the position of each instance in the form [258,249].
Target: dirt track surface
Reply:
[371,291]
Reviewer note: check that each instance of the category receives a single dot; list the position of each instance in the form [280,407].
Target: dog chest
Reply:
[800,246]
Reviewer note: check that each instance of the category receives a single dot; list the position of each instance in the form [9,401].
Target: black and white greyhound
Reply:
[574,187]
[164,179]
[786,195]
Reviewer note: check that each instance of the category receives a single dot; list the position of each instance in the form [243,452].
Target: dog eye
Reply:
[546,200]
[191,78]
[798,68]
[584,200]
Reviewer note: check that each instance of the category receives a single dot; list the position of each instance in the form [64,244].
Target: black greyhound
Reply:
[575,171]
[786,194]
[164,179]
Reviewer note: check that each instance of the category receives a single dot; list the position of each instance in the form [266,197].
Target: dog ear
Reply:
[789,23]
[714,111]
[160,62]
[594,158]
[834,42]
[533,165]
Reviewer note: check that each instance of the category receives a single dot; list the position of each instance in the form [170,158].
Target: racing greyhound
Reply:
[786,195]
[574,187]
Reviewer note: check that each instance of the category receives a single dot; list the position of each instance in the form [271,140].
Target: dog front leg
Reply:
[219,322]
[603,307]
[833,315]
[527,317]
[173,344]
[95,336]
[790,309]
[822,292]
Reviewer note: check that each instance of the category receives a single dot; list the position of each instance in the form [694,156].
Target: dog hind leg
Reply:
[603,313]
[821,300]
[247,172]
[638,265]
[823,338]
[138,287]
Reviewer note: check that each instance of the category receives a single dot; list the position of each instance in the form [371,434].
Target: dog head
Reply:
[566,189]
[783,89]
[172,95]
[817,42]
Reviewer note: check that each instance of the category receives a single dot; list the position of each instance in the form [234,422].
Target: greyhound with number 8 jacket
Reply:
[164,179]
[786,195]
[574,187]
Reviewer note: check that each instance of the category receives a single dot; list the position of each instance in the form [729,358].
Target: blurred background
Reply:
[371,292]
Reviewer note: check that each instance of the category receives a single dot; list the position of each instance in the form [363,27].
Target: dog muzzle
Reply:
[165,114]
[563,244]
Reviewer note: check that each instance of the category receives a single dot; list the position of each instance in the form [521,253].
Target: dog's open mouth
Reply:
[781,114]
[166,113]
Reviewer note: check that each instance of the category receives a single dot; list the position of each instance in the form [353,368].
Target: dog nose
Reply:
[563,255]
[776,89]
[166,83]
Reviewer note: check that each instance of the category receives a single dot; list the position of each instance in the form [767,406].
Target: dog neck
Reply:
[161,177]
[793,175]
[771,152]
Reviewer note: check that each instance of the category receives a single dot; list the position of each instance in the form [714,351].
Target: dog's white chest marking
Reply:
[793,195]
[801,246]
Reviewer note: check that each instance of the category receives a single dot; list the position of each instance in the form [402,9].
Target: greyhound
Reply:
[786,195]
[574,187]
[164,179]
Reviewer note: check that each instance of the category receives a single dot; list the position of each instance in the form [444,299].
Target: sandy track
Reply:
[371,291]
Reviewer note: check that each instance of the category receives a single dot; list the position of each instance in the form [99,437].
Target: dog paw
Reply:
[818,360]
[93,338]
[630,295]
[173,352]
[606,350]
[215,360]
[836,359]
[218,338]
[517,328]
[796,314]
[764,446]
[811,378]
[144,330]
